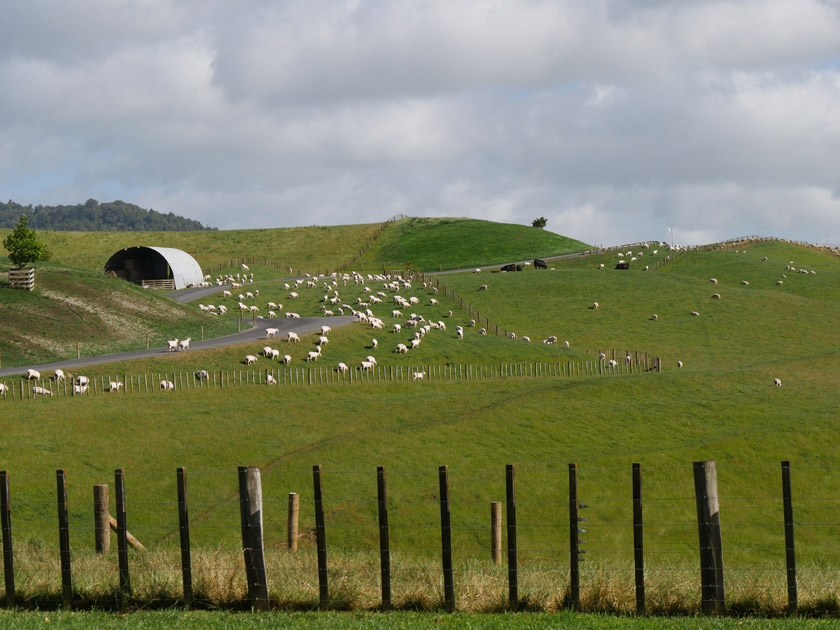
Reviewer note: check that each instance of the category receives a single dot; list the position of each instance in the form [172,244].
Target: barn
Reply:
[155,267]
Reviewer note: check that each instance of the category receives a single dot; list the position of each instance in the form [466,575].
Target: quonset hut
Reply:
[155,267]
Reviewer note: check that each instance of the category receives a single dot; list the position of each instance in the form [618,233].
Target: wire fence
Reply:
[616,539]
[623,362]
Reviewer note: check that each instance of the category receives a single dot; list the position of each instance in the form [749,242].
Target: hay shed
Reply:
[155,267]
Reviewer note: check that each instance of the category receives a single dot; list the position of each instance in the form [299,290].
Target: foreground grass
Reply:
[396,620]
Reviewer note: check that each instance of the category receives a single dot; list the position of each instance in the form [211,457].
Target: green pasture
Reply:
[721,405]
[303,248]
[434,244]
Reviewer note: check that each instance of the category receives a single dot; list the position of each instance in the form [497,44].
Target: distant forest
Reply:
[92,216]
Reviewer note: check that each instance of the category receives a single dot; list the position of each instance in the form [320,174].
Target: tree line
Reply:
[92,216]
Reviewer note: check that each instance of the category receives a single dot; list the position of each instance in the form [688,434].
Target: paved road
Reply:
[301,326]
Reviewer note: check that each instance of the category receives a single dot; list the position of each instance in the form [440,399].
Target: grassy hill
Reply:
[433,244]
[722,405]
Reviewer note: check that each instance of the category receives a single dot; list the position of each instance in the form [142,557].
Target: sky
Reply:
[615,120]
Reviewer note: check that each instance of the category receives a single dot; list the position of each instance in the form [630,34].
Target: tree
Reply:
[23,244]
[539,223]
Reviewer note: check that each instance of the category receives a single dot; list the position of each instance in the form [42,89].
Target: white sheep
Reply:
[167,386]
[744,282]
[777,382]
[33,375]
[414,343]
[314,355]
[202,375]
[483,287]
[287,359]
[695,314]
[293,295]
[713,280]
[270,380]
[173,345]
[82,380]
[613,363]
[271,333]
[342,367]
[372,359]
[325,330]
[401,348]
[222,309]
[374,343]
[595,305]
[292,337]
[512,335]
[59,375]
[482,331]
[227,293]
[601,356]
[114,386]
[80,389]
[40,391]
[250,359]
[397,328]
[184,344]
[418,376]
[460,333]
[565,344]
[366,365]
[3,389]
[679,364]
[323,340]
[655,317]
[525,338]
[477,271]
[715,296]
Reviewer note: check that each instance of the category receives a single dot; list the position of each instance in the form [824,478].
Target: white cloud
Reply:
[612,119]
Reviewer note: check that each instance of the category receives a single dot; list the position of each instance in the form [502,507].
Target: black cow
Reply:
[540,264]
[510,267]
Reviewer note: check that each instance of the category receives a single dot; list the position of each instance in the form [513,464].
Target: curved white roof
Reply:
[185,268]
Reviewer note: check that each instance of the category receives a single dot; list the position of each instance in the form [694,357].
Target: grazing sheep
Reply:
[271,333]
[250,359]
[342,367]
[314,356]
[227,293]
[59,375]
[460,333]
[293,295]
[602,356]
[33,375]
[601,266]
[595,305]
[167,386]
[202,375]
[173,344]
[401,348]
[372,359]
[270,380]
[287,359]
[292,337]
[374,343]
[695,313]
[778,282]
[713,280]
[80,389]
[565,344]
[482,331]
[552,340]
[418,376]
[366,365]
[397,328]
[715,296]
[223,309]
[3,389]
[477,271]
[777,382]
[744,282]
[40,391]
[322,340]
[525,338]
[512,335]
[114,386]
[414,343]
[272,314]
[82,380]
[613,363]
[483,287]
[655,317]
[325,330]
[679,364]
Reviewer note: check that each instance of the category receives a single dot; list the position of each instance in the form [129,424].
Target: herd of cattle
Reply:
[538,264]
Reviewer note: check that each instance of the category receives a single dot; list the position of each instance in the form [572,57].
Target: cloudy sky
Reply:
[613,119]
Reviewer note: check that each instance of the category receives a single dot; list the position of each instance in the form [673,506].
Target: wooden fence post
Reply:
[8,555]
[711,546]
[513,565]
[251,513]
[122,533]
[64,539]
[446,540]
[638,541]
[292,522]
[790,549]
[101,521]
[574,548]
[184,529]
[496,531]
[321,540]
[384,538]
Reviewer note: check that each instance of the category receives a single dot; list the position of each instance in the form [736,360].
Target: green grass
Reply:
[304,248]
[433,244]
[721,405]
[395,621]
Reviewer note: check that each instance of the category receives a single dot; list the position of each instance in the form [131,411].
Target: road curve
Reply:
[302,326]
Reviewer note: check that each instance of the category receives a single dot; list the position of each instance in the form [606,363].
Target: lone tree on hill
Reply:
[539,223]
[23,244]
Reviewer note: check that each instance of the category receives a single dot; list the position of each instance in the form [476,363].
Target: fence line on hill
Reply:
[644,530]
[626,362]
